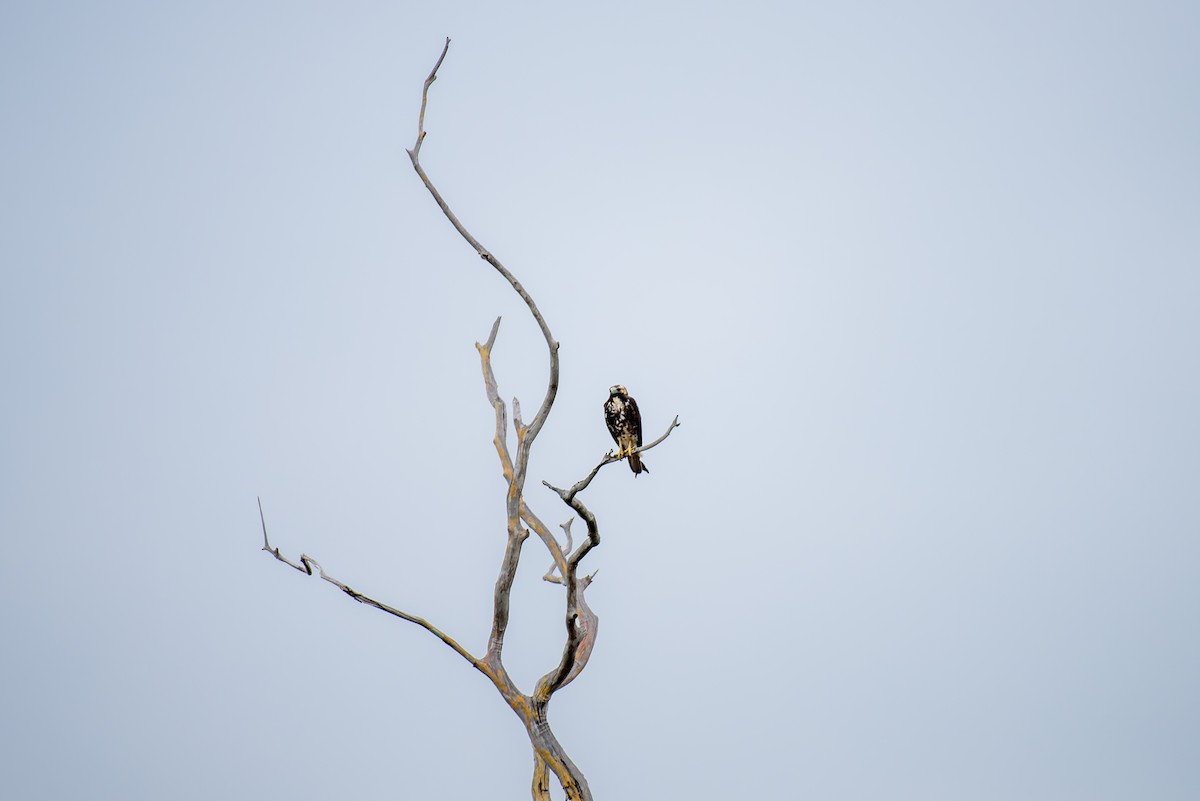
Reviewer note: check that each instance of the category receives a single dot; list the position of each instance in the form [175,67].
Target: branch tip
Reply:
[491,340]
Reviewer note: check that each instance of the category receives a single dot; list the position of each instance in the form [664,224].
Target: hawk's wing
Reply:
[633,420]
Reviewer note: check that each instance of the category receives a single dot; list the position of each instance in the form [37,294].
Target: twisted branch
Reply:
[581,622]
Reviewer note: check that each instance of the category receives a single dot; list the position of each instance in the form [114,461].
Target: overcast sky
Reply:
[920,280]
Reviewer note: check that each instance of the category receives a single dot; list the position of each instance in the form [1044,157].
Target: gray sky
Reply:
[919,279]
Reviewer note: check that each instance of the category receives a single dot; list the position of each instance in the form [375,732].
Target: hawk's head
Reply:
[617,389]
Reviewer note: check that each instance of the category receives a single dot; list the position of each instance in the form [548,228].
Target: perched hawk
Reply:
[625,424]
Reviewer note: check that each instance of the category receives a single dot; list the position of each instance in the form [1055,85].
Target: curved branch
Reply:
[581,624]
[552,388]
[515,469]
[308,562]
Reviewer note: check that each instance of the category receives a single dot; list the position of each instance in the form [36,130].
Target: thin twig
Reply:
[275,551]
[667,433]
[416,151]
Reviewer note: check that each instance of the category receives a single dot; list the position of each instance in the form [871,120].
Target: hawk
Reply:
[625,424]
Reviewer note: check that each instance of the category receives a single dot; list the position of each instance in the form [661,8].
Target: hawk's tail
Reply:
[635,464]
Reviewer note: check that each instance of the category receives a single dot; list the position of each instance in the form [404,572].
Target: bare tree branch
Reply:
[515,504]
[493,394]
[581,625]
[308,563]
[558,563]
[609,458]
[425,100]
[552,388]
[518,423]
[667,433]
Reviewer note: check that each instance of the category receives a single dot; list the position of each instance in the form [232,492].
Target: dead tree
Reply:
[548,754]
